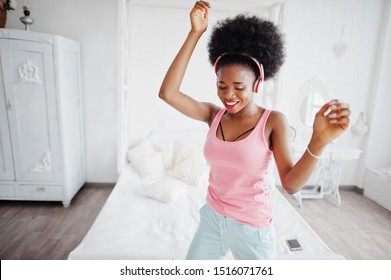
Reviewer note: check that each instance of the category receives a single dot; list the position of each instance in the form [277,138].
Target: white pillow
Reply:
[167,150]
[184,150]
[192,170]
[140,150]
[164,189]
[147,162]
[150,166]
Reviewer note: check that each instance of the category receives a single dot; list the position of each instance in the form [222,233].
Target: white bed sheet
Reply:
[133,226]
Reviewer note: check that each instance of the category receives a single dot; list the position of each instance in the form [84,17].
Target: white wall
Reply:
[94,24]
[378,153]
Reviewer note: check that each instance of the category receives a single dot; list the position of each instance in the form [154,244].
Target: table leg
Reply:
[330,179]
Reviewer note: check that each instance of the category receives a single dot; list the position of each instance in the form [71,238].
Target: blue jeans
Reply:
[217,234]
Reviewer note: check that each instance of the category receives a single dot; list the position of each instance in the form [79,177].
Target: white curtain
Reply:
[123,88]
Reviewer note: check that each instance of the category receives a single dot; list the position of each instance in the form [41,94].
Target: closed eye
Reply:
[224,87]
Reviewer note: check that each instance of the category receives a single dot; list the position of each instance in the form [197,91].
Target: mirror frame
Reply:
[312,85]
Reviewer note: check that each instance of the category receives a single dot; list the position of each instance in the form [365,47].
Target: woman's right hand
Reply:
[199,16]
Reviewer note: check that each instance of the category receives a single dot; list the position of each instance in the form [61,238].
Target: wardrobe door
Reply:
[30,88]
[6,163]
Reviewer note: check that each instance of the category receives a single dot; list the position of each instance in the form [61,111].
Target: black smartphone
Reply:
[293,245]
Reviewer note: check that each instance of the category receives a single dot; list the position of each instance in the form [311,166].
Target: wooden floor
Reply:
[47,230]
[359,229]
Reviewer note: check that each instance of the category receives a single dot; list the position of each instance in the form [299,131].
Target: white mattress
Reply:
[133,226]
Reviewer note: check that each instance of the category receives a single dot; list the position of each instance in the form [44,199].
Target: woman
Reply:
[243,136]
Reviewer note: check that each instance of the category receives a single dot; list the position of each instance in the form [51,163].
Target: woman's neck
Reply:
[248,112]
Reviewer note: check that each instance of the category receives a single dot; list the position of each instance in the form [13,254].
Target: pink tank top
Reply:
[237,180]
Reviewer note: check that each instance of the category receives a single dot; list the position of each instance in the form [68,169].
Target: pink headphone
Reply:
[259,82]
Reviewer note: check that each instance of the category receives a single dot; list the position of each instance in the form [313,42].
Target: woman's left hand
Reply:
[199,16]
[331,121]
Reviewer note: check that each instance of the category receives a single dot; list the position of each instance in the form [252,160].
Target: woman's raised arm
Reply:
[170,88]
[330,122]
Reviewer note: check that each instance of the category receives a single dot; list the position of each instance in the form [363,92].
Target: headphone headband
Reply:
[259,80]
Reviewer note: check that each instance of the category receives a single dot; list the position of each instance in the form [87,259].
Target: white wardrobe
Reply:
[41,127]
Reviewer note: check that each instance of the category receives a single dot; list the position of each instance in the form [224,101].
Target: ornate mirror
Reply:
[307,102]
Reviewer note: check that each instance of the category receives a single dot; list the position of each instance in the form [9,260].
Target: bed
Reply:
[152,212]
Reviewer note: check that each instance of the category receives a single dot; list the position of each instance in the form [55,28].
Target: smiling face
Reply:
[235,84]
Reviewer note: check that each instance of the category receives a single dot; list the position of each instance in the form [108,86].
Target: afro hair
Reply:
[249,35]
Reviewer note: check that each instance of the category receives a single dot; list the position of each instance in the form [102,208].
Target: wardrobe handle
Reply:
[41,189]
[9,105]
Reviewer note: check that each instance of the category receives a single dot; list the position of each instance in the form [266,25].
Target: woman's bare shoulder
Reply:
[277,117]
[214,109]
[277,121]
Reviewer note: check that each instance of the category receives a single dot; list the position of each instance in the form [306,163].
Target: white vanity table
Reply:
[329,170]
